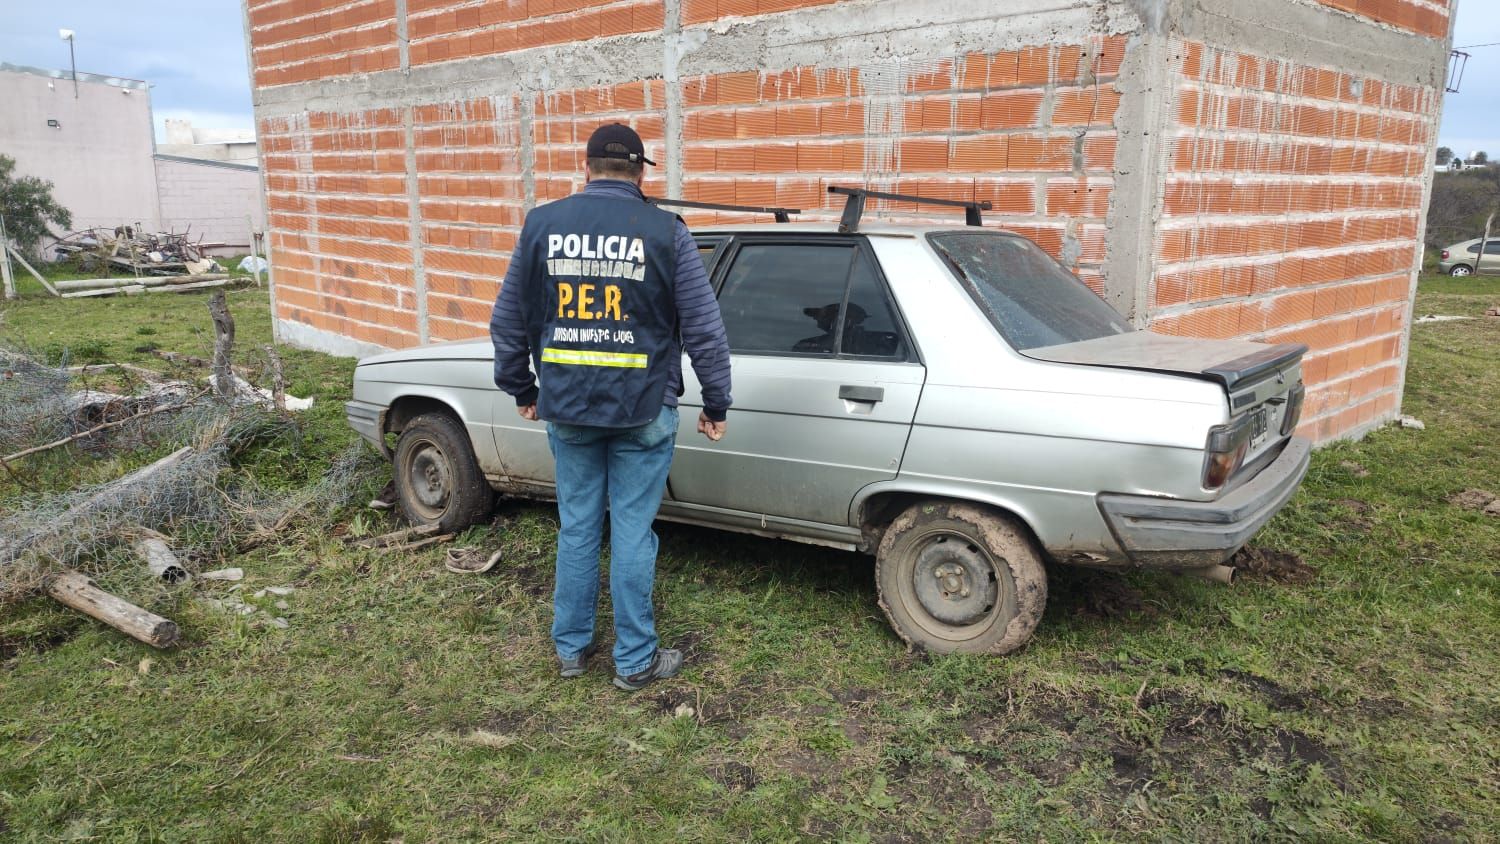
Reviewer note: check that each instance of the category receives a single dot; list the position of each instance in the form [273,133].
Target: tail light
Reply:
[1225,450]
[1293,413]
[1445,254]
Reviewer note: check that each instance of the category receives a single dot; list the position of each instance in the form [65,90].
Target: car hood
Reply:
[457,350]
[1229,362]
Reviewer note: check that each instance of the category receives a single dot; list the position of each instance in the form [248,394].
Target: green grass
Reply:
[407,702]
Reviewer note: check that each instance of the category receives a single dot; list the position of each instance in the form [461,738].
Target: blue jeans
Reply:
[624,469]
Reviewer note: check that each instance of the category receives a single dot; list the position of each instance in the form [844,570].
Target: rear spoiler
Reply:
[1252,366]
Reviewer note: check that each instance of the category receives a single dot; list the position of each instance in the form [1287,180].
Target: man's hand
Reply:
[528,412]
[711,429]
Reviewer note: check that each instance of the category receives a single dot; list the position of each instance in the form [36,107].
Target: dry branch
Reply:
[397,537]
[79,592]
[161,408]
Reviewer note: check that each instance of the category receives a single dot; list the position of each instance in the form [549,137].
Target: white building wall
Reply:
[97,156]
[213,198]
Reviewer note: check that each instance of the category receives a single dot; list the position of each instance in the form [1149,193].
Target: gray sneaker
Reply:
[666,663]
[577,665]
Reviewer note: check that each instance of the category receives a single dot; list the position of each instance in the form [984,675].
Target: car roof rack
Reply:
[783,215]
[854,207]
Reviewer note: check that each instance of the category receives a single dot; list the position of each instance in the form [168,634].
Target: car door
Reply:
[1490,261]
[825,383]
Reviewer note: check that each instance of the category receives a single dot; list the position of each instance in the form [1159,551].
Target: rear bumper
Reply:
[368,420]
[1174,534]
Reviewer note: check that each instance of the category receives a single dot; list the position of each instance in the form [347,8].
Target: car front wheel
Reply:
[956,578]
[1460,270]
[438,481]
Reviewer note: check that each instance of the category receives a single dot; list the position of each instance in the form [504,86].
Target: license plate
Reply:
[1259,423]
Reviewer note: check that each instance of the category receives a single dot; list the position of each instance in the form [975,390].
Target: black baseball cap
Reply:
[616,140]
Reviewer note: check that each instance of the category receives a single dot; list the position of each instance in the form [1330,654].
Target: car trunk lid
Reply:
[1260,379]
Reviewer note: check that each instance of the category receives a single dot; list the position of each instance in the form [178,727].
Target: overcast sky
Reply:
[193,54]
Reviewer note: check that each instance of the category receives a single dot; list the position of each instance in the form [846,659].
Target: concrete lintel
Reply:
[1310,34]
[849,34]
[316,339]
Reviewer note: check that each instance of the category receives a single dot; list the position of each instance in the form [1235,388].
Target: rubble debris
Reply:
[159,557]
[1439,318]
[1411,422]
[1493,311]
[229,574]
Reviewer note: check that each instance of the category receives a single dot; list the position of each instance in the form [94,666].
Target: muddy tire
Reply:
[438,481]
[956,578]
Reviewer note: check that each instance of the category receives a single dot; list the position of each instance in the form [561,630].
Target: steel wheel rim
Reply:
[1459,270]
[945,561]
[429,479]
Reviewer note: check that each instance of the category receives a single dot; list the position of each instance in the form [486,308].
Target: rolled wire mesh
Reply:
[207,503]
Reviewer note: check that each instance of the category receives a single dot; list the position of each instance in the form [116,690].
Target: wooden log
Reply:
[148,281]
[127,290]
[196,285]
[75,590]
[29,268]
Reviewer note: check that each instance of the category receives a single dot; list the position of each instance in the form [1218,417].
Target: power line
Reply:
[1472,46]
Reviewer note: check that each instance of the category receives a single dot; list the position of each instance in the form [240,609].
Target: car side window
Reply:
[870,328]
[1473,249]
[1492,247]
[785,297]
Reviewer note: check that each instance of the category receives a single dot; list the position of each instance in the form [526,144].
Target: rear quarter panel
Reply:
[1037,438]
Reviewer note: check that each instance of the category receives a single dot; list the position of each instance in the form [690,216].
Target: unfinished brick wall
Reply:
[1290,214]
[1205,189]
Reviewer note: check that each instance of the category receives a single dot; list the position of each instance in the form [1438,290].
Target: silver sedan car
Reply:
[949,399]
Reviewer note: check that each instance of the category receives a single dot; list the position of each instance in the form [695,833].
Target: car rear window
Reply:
[1029,297]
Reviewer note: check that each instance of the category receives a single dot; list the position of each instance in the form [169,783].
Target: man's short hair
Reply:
[615,168]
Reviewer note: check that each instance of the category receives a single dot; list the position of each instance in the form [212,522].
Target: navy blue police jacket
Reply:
[593,281]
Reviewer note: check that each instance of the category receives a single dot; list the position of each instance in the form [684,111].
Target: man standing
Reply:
[603,294]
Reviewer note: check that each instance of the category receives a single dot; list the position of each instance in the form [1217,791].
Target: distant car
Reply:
[1463,259]
[975,412]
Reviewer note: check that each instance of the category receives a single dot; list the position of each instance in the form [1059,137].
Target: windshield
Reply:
[1030,298]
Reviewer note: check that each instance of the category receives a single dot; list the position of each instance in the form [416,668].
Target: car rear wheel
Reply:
[956,578]
[1460,270]
[438,481]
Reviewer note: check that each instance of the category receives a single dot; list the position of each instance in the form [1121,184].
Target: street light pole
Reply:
[67,35]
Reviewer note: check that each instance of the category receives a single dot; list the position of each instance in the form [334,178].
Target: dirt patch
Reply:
[1278,696]
[668,702]
[1354,469]
[1477,499]
[1108,595]
[1360,509]
[506,722]
[734,776]
[731,709]
[1280,566]
[694,647]
[11,647]
[1300,747]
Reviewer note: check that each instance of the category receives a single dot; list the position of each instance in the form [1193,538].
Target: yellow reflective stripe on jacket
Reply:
[580,357]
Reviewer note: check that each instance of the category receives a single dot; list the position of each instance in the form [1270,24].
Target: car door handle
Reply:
[853,392]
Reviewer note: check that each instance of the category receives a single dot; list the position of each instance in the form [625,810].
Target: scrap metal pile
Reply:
[128,248]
